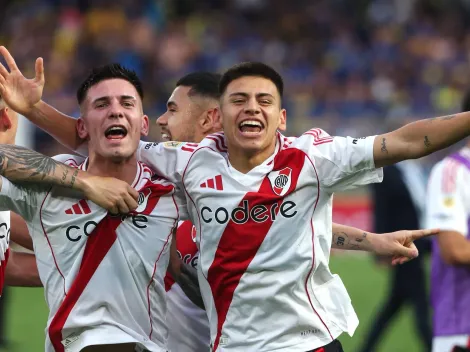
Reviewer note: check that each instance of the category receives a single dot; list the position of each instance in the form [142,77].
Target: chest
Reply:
[273,203]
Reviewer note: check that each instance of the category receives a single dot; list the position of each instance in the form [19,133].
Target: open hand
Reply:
[19,92]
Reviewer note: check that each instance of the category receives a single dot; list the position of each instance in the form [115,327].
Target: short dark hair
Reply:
[466,102]
[204,84]
[257,69]
[110,71]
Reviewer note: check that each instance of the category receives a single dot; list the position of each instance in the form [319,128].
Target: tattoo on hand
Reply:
[384,146]
[427,142]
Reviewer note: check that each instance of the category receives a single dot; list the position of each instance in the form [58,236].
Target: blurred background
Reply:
[352,67]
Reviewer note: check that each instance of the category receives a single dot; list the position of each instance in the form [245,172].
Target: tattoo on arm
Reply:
[341,240]
[384,146]
[20,164]
[427,142]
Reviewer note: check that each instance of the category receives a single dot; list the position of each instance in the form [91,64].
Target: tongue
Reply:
[252,129]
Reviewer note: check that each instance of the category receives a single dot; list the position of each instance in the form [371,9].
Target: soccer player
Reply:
[262,212]
[21,269]
[103,274]
[448,206]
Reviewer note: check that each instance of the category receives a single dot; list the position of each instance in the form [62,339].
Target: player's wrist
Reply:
[375,242]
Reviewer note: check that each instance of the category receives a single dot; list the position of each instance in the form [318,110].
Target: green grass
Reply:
[366,283]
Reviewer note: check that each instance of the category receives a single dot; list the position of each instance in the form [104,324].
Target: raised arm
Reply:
[420,138]
[22,165]
[24,96]
[399,245]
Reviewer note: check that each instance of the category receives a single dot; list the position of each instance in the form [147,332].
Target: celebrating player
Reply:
[448,206]
[103,274]
[262,212]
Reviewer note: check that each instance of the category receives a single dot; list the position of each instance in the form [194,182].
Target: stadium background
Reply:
[350,66]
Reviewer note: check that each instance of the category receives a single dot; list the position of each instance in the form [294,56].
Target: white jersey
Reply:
[188,326]
[265,237]
[4,245]
[448,200]
[103,275]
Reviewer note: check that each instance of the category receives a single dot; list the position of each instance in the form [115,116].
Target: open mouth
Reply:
[250,126]
[166,135]
[115,132]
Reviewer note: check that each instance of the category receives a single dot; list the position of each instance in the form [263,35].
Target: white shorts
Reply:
[447,343]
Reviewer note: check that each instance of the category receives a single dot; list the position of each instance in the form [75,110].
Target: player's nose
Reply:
[162,120]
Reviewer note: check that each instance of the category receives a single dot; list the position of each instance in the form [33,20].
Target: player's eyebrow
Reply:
[107,98]
[246,95]
[171,104]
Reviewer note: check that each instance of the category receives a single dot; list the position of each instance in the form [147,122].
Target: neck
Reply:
[244,162]
[124,170]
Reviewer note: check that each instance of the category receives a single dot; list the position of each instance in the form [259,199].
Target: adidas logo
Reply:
[214,183]
[79,208]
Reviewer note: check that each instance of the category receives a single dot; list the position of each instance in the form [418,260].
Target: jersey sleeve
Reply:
[23,200]
[342,163]
[168,159]
[446,207]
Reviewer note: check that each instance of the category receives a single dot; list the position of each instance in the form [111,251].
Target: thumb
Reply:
[39,68]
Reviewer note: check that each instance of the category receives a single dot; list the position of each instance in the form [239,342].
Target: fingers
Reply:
[131,203]
[8,58]
[3,71]
[416,234]
[133,193]
[122,207]
[39,68]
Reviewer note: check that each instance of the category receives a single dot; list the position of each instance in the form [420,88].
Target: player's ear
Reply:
[145,127]
[217,117]
[82,129]
[207,121]
[5,121]
[282,120]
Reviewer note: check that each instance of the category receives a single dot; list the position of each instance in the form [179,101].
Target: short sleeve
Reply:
[446,208]
[342,163]
[168,159]
[23,200]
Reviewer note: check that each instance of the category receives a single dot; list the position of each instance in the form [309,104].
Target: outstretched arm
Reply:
[397,244]
[420,138]
[24,96]
[20,165]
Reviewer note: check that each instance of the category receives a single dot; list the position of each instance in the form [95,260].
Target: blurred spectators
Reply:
[347,64]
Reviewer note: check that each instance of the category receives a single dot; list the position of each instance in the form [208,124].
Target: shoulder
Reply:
[215,141]
[69,159]
[171,145]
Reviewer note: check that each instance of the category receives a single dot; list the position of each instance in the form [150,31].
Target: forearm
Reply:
[62,127]
[21,165]
[21,270]
[351,238]
[19,232]
[189,283]
[420,138]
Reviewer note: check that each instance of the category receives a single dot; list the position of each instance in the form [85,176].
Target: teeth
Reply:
[116,128]
[165,136]
[251,123]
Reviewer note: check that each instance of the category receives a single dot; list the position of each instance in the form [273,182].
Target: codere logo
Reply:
[240,215]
